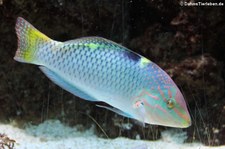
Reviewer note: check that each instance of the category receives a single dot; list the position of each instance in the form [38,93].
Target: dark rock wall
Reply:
[187,42]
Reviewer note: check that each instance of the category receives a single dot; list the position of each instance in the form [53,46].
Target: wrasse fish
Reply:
[97,69]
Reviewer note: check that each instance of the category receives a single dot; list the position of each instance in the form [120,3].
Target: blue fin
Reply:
[65,85]
[118,111]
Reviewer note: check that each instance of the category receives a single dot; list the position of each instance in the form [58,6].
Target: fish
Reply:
[99,70]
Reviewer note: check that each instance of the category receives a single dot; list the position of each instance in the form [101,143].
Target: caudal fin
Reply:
[30,40]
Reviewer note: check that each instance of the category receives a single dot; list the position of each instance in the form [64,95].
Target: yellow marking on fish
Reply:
[33,36]
[36,33]
[144,61]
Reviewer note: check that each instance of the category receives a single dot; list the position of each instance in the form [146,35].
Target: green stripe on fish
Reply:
[93,46]
[97,69]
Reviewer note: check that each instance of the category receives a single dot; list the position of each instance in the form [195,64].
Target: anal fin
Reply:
[65,84]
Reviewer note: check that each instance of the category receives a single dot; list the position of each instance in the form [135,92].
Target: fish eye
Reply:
[170,103]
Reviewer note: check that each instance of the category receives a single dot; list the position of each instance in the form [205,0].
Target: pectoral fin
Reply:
[118,111]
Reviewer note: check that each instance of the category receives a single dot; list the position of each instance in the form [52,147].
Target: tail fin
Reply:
[29,41]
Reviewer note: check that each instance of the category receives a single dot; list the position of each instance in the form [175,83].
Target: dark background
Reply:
[187,42]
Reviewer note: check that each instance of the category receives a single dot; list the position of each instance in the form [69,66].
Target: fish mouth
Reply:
[182,123]
[186,122]
[189,122]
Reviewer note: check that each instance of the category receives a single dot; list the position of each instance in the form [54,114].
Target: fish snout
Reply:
[187,122]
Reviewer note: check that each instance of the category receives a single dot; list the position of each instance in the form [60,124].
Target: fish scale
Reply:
[112,72]
[97,69]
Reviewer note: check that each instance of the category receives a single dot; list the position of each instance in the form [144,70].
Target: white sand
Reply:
[54,135]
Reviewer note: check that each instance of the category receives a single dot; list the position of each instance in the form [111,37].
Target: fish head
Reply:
[162,106]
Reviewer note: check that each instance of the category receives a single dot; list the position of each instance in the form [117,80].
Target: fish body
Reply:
[97,69]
